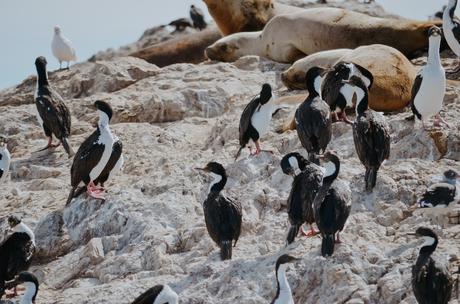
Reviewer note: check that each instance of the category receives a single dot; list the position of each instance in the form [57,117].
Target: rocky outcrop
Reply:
[150,230]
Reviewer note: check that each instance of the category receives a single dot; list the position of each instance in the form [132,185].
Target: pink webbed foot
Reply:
[312,232]
[337,239]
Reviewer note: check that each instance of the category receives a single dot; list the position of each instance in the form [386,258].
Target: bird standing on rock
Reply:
[94,155]
[197,17]
[53,114]
[62,48]
[431,281]
[337,94]
[255,120]
[371,134]
[223,216]
[430,84]
[307,180]
[331,205]
[16,252]
[313,118]
[5,159]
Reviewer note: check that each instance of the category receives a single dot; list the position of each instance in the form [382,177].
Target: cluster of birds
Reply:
[317,196]
[197,20]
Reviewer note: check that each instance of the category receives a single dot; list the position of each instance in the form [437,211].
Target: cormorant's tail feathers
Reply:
[238,153]
[293,231]
[79,191]
[370,178]
[71,196]
[67,147]
[327,245]
[226,250]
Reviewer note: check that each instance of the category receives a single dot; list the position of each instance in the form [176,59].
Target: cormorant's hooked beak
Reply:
[412,234]
[201,169]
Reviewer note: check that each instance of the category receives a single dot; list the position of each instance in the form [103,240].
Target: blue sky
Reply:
[27,26]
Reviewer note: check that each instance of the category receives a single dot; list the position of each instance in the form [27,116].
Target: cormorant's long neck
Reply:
[311,88]
[218,183]
[42,76]
[433,52]
[284,290]
[363,101]
[450,10]
[31,291]
[429,246]
[103,121]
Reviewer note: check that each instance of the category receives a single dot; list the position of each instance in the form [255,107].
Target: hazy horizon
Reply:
[97,25]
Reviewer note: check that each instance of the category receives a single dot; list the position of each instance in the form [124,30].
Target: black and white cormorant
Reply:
[451,29]
[197,17]
[440,196]
[313,118]
[223,216]
[307,180]
[180,24]
[283,290]
[53,114]
[113,165]
[430,84]
[332,205]
[371,134]
[94,155]
[158,294]
[431,281]
[30,282]
[255,119]
[339,95]
[16,251]
[5,159]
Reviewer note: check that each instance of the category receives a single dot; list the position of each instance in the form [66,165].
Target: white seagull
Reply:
[62,48]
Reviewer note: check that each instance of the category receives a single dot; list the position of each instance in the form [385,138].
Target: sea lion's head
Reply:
[231,48]
[294,78]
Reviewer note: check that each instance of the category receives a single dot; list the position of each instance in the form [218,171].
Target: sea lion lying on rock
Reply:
[294,77]
[287,38]
[393,76]
[393,73]
[233,16]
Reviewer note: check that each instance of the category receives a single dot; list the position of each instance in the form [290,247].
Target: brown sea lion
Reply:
[287,38]
[188,48]
[294,77]
[393,76]
[234,16]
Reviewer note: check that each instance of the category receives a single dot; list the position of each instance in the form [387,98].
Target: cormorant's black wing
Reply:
[331,88]
[372,138]
[314,125]
[149,296]
[245,120]
[456,30]
[415,88]
[86,158]
[54,113]
[117,150]
[223,218]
